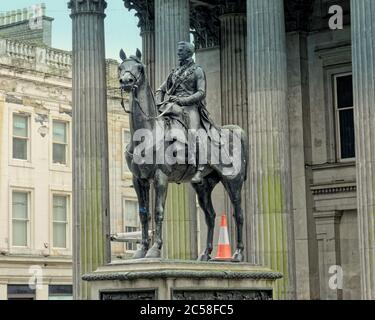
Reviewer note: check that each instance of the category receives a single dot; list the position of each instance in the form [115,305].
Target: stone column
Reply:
[3,291]
[205,25]
[91,247]
[269,167]
[234,107]
[147,25]
[363,43]
[42,292]
[145,11]
[306,246]
[172,24]
[148,51]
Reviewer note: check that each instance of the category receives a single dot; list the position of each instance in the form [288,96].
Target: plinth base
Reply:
[149,279]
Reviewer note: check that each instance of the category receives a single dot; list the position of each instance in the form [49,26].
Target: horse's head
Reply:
[131,71]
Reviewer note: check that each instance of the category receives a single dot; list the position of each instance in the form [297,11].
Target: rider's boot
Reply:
[201,149]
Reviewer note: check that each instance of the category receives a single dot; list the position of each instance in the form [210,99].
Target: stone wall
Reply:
[333,181]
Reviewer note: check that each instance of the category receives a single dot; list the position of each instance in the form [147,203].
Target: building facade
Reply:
[301,88]
[36,198]
[298,77]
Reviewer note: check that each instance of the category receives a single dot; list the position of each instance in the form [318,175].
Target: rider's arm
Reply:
[160,93]
[201,90]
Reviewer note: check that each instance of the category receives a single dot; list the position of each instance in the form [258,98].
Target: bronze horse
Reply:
[144,114]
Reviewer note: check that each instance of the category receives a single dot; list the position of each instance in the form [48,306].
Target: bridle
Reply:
[134,90]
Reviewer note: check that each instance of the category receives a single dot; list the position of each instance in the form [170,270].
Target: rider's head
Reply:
[185,50]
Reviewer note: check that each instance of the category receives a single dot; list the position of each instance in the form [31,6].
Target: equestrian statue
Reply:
[179,105]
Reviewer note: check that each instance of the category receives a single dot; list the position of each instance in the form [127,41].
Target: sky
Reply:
[120,25]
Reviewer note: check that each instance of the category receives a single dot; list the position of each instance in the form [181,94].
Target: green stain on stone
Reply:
[274,230]
[177,235]
[92,236]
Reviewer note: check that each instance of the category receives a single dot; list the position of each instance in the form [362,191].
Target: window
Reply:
[60,221]
[60,292]
[60,142]
[344,106]
[20,137]
[131,221]
[127,138]
[20,218]
[20,292]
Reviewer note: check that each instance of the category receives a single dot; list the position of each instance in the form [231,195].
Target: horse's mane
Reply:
[149,90]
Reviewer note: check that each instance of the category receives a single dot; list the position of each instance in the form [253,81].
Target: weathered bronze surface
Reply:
[180,104]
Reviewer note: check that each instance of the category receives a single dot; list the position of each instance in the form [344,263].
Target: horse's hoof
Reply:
[140,254]
[238,256]
[154,252]
[204,257]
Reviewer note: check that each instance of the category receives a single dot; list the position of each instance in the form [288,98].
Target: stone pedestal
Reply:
[181,280]
[363,27]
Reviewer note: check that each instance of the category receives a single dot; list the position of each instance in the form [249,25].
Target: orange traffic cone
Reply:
[223,249]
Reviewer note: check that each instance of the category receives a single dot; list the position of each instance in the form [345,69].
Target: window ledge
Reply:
[333,165]
[60,168]
[21,164]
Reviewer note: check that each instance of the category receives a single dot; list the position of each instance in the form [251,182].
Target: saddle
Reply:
[173,113]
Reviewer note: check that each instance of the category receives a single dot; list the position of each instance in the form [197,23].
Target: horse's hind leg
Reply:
[142,188]
[234,192]
[204,191]
[161,188]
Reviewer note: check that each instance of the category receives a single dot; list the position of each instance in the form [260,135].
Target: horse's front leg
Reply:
[142,188]
[161,189]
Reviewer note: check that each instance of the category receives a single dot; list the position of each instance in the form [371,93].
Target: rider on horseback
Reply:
[186,91]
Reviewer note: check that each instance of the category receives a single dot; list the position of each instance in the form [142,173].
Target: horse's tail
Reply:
[244,145]
[245,150]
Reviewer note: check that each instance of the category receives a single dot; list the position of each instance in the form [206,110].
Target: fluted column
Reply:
[233,30]
[363,42]
[145,11]
[172,24]
[90,142]
[270,173]
[148,50]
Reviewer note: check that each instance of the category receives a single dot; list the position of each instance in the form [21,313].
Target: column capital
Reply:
[145,12]
[206,26]
[87,6]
